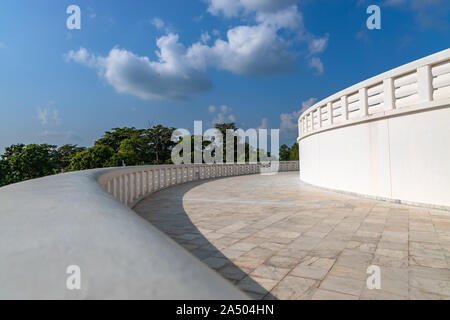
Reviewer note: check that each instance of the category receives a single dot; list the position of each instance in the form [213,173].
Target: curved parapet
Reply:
[387,137]
[51,223]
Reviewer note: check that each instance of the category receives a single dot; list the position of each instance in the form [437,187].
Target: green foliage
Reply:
[20,162]
[285,153]
[160,144]
[294,155]
[120,146]
[289,154]
[65,154]
[98,156]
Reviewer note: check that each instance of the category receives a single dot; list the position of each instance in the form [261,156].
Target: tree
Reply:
[289,154]
[4,172]
[114,138]
[28,162]
[65,154]
[160,143]
[285,153]
[99,156]
[294,155]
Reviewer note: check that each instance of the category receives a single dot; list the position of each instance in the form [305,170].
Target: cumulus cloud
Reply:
[232,8]
[264,124]
[173,76]
[289,121]
[48,116]
[249,51]
[222,114]
[179,72]
[316,64]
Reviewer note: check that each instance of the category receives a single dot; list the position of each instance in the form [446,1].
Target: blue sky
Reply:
[256,62]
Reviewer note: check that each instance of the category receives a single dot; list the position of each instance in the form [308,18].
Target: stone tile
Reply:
[283,261]
[249,262]
[270,272]
[351,272]
[438,287]
[386,261]
[343,285]
[276,241]
[215,262]
[362,246]
[397,254]
[427,262]
[232,253]
[313,268]
[294,288]
[243,246]
[321,294]
[352,257]
[257,284]
[233,272]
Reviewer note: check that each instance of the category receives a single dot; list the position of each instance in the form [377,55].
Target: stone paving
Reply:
[276,238]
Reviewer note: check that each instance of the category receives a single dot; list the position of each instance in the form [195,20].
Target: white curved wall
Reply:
[392,140]
[50,223]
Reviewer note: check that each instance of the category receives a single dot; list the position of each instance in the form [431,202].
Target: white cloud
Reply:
[48,116]
[289,121]
[318,45]
[173,76]
[82,56]
[223,114]
[264,124]
[205,37]
[43,115]
[232,8]
[158,23]
[91,12]
[249,51]
[179,71]
[317,64]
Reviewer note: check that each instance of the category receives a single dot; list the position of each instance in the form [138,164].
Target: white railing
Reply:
[130,185]
[422,84]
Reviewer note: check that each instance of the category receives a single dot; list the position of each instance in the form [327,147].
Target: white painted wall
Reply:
[404,157]
[387,136]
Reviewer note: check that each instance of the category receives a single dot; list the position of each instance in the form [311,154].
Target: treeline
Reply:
[118,147]
[289,154]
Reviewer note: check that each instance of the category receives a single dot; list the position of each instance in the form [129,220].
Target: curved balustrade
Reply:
[51,223]
[129,185]
[387,137]
[421,84]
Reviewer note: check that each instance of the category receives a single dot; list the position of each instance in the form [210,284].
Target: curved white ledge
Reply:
[50,223]
[387,137]
[417,86]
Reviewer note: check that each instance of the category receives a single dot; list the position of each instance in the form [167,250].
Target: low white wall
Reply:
[386,137]
[50,223]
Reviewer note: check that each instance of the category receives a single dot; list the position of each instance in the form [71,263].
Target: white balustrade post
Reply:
[319,116]
[311,114]
[330,113]
[424,83]
[344,108]
[363,104]
[389,94]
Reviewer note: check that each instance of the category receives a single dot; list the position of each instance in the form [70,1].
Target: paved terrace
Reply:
[278,239]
